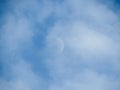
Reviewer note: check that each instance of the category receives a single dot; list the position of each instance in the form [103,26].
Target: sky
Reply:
[59,45]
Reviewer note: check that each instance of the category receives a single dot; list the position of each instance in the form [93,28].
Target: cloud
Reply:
[22,78]
[87,80]
[16,33]
[88,43]
[17,36]
[81,46]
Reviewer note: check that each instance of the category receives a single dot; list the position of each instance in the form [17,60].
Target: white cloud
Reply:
[88,43]
[85,42]
[87,80]
[79,39]
[17,33]
[23,78]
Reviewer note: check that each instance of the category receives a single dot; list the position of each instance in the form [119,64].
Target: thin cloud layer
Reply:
[54,45]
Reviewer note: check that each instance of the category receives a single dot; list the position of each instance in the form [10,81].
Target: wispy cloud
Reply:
[81,46]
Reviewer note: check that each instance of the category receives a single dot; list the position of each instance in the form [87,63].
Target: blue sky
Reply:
[59,45]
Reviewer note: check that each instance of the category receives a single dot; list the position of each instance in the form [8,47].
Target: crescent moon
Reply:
[60,44]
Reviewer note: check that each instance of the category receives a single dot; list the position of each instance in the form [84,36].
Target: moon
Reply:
[60,44]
